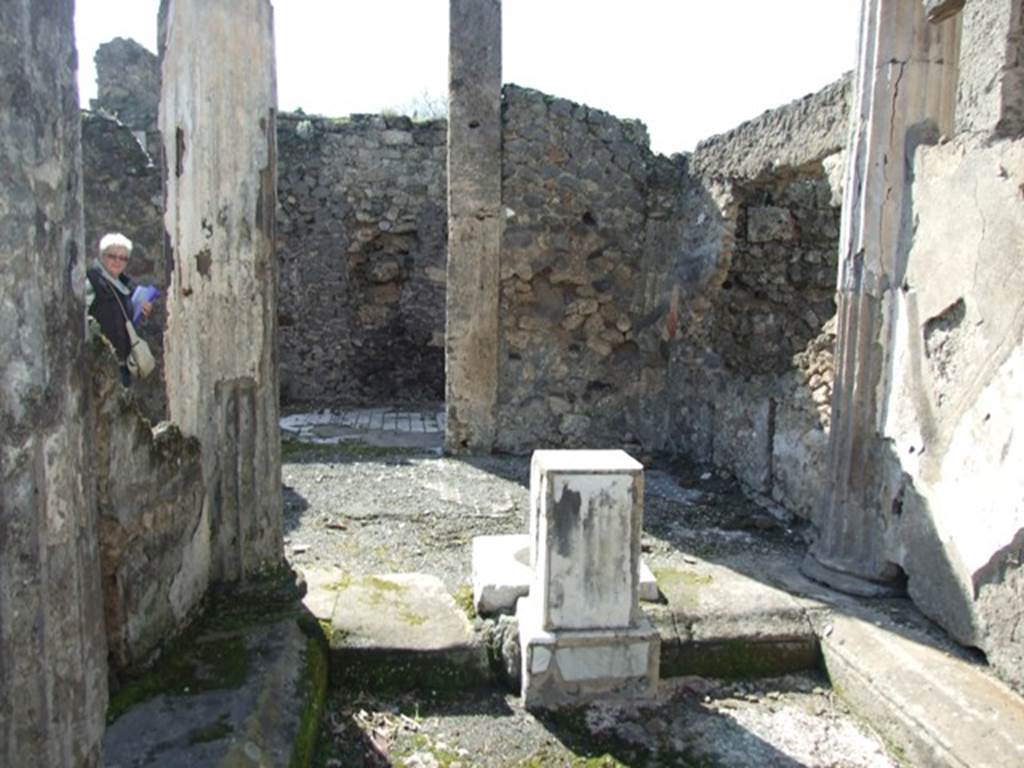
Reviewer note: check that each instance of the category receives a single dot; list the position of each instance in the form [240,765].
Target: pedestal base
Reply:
[848,582]
[567,667]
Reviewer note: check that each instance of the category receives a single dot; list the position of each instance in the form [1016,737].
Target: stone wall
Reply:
[593,221]
[154,541]
[122,193]
[53,693]
[990,92]
[953,400]
[128,87]
[361,238]
[753,372]
[361,246]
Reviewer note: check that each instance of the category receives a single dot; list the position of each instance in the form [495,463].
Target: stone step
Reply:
[717,621]
[940,710]
[734,619]
[401,631]
[245,686]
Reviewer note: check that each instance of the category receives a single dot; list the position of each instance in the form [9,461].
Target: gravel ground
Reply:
[372,510]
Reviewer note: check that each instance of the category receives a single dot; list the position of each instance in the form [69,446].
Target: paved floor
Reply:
[382,426]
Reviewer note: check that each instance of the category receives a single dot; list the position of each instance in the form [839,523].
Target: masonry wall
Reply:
[752,377]
[361,246]
[154,543]
[592,219]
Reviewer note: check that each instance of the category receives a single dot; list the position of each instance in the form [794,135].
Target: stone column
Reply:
[217,120]
[474,224]
[53,684]
[904,94]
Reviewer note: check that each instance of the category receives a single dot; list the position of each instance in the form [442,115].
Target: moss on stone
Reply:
[212,653]
[441,673]
[299,452]
[464,599]
[412,618]
[670,578]
[198,662]
[740,659]
[382,585]
[343,582]
[214,732]
[314,697]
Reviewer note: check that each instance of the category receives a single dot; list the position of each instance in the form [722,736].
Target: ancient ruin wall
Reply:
[123,194]
[154,545]
[954,401]
[591,226]
[127,84]
[990,89]
[752,375]
[361,247]
[53,694]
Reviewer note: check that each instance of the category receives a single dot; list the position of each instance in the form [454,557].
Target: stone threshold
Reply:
[245,685]
[754,618]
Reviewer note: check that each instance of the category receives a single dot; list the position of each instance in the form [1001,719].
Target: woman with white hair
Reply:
[108,296]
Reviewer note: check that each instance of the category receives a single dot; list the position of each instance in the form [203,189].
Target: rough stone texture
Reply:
[990,94]
[245,687]
[221,343]
[154,551]
[752,375]
[361,246]
[956,403]
[803,131]
[588,306]
[128,84]
[474,224]
[123,194]
[939,709]
[402,630]
[53,687]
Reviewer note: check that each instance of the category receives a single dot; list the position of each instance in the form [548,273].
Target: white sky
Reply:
[687,68]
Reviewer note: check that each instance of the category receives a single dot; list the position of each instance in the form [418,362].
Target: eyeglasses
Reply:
[113,257]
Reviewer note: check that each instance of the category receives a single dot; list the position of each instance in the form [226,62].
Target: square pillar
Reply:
[581,629]
[474,225]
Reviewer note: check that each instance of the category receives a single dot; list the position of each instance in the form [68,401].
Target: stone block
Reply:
[585,520]
[769,222]
[397,630]
[572,666]
[501,573]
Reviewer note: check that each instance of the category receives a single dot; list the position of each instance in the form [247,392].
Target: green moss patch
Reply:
[197,663]
[739,659]
[440,672]
[215,732]
[314,697]
[671,579]
[212,654]
[464,599]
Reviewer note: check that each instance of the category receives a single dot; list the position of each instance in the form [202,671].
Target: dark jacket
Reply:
[104,308]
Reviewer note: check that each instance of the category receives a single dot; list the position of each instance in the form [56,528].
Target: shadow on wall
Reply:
[153,536]
[753,374]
